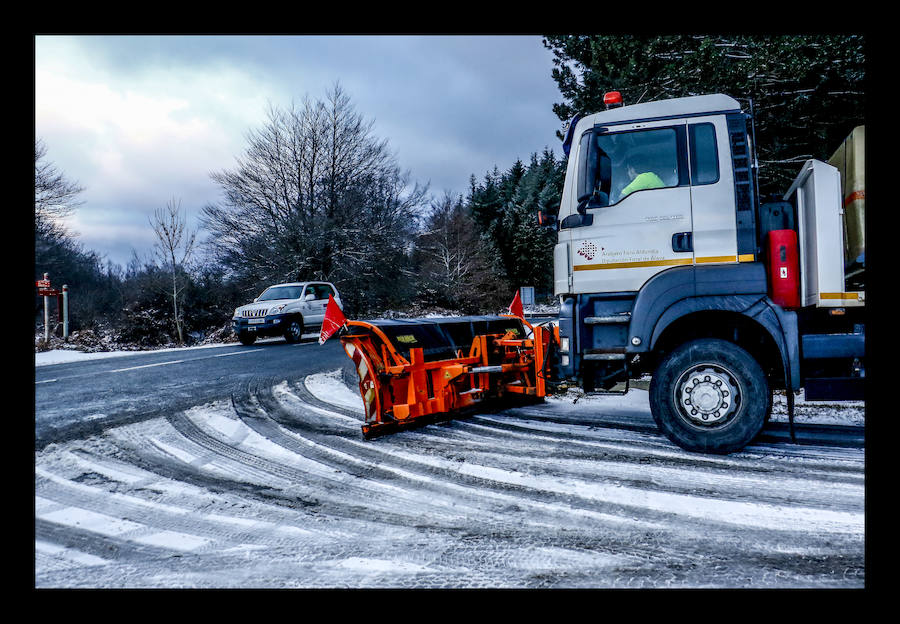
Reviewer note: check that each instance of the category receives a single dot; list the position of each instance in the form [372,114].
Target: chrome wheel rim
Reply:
[707,395]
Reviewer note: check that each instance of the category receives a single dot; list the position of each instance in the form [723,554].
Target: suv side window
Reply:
[321,291]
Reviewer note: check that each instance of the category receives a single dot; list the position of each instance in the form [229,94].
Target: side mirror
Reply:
[597,199]
[576,220]
[255,299]
[309,297]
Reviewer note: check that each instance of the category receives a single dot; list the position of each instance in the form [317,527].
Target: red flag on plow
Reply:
[515,308]
[334,320]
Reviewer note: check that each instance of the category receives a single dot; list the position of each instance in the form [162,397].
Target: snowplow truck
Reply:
[668,264]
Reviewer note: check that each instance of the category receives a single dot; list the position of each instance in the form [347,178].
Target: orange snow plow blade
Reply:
[418,371]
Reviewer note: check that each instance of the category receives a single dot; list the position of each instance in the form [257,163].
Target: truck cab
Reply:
[667,263]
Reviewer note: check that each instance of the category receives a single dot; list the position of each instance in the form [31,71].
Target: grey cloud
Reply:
[449,106]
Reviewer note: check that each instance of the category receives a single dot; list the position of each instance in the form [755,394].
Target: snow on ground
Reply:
[330,387]
[850,413]
[270,490]
[65,356]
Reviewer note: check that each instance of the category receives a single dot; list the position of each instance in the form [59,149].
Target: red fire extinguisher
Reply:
[784,268]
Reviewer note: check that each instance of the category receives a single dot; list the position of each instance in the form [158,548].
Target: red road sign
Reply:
[42,283]
[47,292]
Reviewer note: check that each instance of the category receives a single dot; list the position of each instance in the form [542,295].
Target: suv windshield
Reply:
[281,292]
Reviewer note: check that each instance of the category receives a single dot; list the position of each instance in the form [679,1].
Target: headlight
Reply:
[237,313]
[276,309]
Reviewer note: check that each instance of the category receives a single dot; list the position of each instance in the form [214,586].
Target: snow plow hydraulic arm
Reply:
[417,371]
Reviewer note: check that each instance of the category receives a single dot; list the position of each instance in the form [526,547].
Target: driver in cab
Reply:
[641,178]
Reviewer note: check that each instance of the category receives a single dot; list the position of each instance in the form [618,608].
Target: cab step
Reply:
[610,319]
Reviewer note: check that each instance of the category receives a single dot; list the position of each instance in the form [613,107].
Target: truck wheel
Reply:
[709,396]
[247,338]
[294,330]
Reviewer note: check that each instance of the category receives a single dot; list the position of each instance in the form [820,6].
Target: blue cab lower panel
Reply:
[592,323]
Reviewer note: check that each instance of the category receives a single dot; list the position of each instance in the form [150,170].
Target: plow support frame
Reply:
[399,391]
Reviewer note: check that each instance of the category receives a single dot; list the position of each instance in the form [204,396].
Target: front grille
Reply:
[253,313]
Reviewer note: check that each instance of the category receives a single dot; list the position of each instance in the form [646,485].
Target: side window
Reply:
[704,155]
[322,291]
[641,160]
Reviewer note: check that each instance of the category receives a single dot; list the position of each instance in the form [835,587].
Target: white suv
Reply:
[289,310]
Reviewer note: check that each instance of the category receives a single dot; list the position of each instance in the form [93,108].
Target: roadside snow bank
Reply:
[330,387]
[64,356]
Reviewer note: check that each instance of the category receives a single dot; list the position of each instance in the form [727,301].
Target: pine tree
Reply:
[808,90]
[505,207]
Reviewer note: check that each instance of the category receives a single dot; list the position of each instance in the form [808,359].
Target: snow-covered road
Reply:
[277,488]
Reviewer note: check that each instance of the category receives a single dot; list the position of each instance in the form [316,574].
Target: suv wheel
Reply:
[294,330]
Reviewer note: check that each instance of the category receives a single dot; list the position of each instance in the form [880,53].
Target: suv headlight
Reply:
[276,309]
[237,313]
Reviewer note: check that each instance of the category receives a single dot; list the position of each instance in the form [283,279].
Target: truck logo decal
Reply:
[588,250]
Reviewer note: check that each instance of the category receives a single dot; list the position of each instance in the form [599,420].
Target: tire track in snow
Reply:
[526,498]
[649,477]
[718,470]
[481,493]
[373,464]
[777,514]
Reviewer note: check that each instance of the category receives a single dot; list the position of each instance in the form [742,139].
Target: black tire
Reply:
[710,396]
[293,332]
[247,338]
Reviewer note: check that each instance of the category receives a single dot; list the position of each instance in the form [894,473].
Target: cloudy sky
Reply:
[140,120]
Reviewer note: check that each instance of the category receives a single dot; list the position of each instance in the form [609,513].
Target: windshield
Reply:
[614,165]
[281,292]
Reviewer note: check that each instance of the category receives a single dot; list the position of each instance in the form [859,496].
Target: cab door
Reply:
[712,191]
[314,308]
[634,230]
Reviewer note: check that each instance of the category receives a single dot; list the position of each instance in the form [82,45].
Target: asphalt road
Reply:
[80,398]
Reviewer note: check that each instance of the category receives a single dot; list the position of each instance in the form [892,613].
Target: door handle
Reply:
[683,242]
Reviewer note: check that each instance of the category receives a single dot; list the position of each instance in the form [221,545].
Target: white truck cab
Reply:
[289,310]
[613,238]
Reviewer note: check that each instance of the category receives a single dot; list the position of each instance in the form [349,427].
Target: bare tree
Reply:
[173,248]
[316,195]
[455,263]
[55,196]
